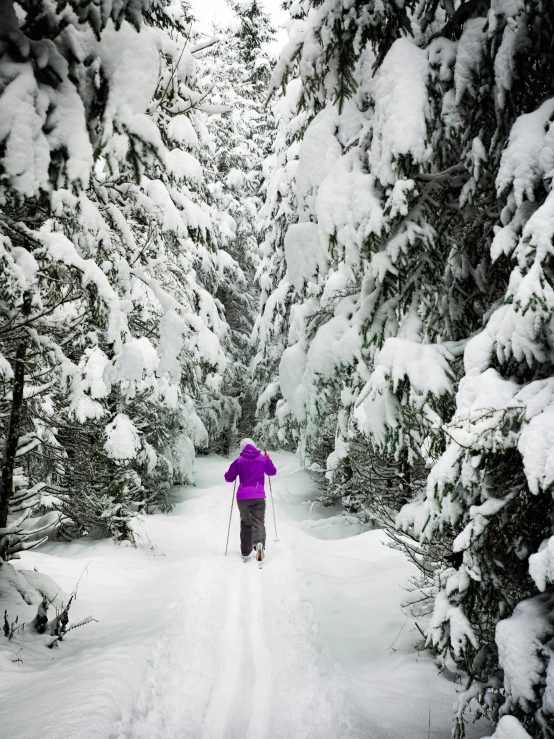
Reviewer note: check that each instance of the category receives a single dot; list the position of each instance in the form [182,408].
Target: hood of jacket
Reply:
[249,452]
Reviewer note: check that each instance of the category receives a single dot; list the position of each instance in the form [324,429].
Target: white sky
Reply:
[208,11]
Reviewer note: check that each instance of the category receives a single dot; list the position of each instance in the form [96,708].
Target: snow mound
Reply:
[305,255]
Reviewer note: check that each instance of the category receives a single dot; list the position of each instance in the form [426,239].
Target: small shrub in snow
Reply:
[26,597]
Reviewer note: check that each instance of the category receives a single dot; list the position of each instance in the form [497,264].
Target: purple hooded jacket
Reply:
[250,467]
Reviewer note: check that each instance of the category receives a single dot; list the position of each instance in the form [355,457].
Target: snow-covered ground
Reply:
[192,644]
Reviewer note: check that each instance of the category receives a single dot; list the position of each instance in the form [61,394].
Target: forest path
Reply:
[235,659]
[190,644]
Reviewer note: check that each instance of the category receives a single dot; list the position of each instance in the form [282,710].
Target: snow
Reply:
[61,249]
[541,564]
[305,255]
[291,371]
[347,206]
[514,40]
[137,358]
[183,165]
[6,372]
[181,454]
[95,363]
[468,57]
[68,132]
[442,55]
[190,644]
[181,130]
[509,728]
[123,440]
[20,584]
[425,366]
[218,12]
[319,150]
[268,394]
[483,390]
[460,629]
[529,154]
[84,408]
[22,116]
[521,639]
[478,522]
[377,410]
[400,110]
[335,346]
[372,199]
[131,62]
[26,265]
[478,352]
[210,348]
[235,178]
[536,445]
[40,117]
[172,328]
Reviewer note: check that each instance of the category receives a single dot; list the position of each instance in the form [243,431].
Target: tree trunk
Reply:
[14,431]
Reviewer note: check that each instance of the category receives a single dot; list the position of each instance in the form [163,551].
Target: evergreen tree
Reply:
[416,258]
[240,69]
[110,335]
[52,119]
[276,215]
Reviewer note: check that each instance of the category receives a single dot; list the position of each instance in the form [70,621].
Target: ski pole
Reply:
[230,517]
[273,506]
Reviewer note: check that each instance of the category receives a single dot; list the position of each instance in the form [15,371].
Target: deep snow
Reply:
[192,644]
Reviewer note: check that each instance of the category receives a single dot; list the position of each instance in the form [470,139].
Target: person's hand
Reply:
[267,455]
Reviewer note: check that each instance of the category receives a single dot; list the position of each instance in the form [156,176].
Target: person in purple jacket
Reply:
[250,467]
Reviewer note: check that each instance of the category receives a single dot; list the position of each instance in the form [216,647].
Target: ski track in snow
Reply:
[257,728]
[232,638]
[240,700]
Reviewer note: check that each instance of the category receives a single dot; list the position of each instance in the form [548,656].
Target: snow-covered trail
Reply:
[236,660]
[191,644]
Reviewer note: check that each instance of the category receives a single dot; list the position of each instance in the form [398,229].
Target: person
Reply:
[250,467]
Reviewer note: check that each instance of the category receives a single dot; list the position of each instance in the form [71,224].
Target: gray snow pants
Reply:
[252,528]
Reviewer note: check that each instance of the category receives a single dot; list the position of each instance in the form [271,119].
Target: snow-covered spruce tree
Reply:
[422,180]
[110,331]
[276,215]
[346,216]
[492,487]
[177,266]
[239,68]
[45,143]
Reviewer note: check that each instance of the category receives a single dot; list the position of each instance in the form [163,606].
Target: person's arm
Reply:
[232,472]
[269,467]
